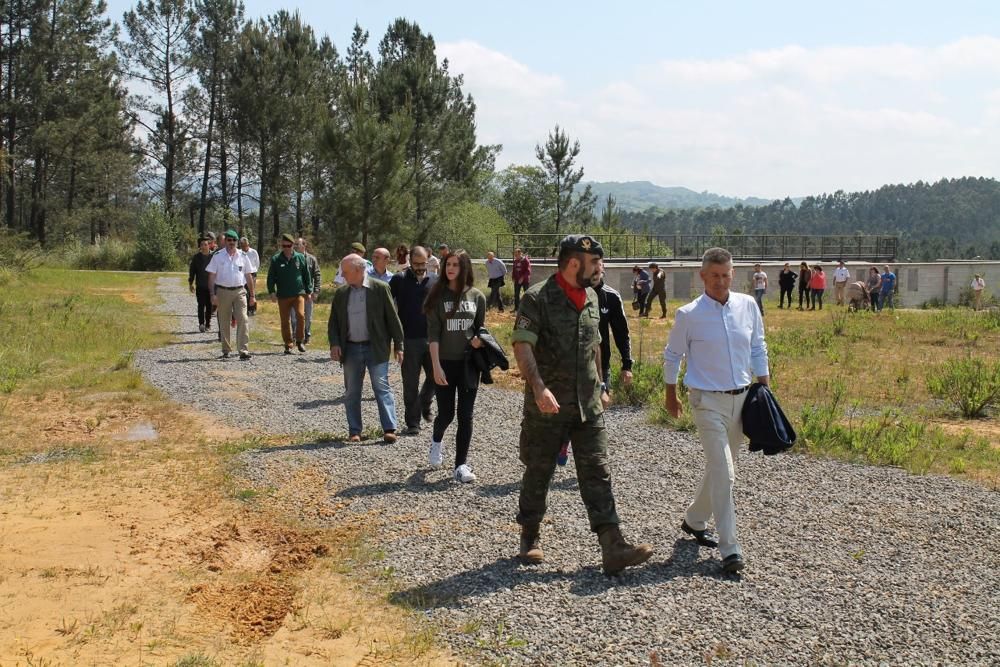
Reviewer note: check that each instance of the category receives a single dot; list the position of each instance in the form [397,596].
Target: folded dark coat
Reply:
[480,361]
[764,422]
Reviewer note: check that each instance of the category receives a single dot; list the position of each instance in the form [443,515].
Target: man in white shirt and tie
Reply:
[231,284]
[722,335]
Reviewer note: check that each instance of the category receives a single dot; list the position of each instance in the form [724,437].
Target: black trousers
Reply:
[781,300]
[416,397]
[808,296]
[518,288]
[454,371]
[495,299]
[204,306]
[656,294]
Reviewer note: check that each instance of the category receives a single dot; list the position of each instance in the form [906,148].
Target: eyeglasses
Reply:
[230,240]
[286,245]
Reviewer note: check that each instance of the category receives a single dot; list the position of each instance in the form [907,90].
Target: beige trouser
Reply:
[233,303]
[839,292]
[719,419]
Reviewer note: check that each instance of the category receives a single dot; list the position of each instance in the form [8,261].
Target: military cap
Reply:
[231,234]
[208,236]
[288,237]
[582,243]
[358,248]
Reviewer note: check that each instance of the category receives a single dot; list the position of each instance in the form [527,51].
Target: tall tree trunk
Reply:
[261,211]
[11,186]
[298,195]
[239,183]
[208,145]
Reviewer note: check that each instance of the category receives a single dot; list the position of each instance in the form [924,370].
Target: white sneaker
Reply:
[436,456]
[464,474]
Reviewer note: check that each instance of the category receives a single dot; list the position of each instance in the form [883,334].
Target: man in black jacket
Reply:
[198,283]
[613,320]
[409,288]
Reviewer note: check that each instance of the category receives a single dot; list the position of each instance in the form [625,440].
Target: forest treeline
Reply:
[952,218]
[181,116]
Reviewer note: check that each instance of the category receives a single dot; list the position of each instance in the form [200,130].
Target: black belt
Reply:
[732,392]
[224,287]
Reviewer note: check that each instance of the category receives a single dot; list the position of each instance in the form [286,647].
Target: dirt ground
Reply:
[124,541]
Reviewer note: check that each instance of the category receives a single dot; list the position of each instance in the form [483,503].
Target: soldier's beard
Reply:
[582,278]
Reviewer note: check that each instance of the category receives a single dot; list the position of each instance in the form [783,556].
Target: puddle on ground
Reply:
[139,432]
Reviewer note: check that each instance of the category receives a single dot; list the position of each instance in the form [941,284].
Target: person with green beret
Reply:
[556,344]
[290,284]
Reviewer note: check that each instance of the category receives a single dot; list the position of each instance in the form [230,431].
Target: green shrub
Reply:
[648,389]
[971,385]
[156,242]
[109,255]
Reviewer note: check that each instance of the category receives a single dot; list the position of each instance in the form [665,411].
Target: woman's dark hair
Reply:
[465,277]
[402,252]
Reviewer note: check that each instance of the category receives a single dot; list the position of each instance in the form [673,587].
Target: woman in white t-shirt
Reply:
[978,285]
[759,286]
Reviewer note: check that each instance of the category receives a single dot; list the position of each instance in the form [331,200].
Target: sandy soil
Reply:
[115,549]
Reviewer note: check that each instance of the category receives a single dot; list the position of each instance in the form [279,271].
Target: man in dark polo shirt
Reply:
[409,288]
[556,344]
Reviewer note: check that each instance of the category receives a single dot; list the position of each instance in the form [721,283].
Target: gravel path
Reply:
[846,564]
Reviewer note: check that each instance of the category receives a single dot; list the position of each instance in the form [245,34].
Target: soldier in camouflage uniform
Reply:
[556,343]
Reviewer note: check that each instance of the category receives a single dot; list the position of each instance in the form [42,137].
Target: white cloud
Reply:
[789,120]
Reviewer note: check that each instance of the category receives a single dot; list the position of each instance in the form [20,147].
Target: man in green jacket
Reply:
[363,323]
[289,276]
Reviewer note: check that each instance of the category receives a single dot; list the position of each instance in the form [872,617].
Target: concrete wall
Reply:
[916,282]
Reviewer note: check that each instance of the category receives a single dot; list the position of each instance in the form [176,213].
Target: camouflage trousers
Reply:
[541,438]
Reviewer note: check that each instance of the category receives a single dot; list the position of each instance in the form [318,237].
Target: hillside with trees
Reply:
[953,218]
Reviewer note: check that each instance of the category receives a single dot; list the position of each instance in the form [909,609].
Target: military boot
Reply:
[617,554]
[531,549]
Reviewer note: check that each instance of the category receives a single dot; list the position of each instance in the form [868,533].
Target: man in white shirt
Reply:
[722,335]
[841,276]
[230,281]
[759,286]
[254,258]
[434,263]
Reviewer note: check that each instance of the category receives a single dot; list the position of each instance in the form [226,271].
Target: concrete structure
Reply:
[917,283]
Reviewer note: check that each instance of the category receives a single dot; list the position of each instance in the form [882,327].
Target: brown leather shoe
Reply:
[531,550]
[617,554]
[354,438]
[389,437]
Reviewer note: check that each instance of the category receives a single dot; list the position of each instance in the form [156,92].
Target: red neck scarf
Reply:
[576,295]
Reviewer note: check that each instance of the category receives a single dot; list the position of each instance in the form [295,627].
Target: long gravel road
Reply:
[846,564]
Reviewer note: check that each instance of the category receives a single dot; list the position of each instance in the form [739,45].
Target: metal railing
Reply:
[690,247]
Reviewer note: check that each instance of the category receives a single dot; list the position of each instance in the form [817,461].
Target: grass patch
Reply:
[62,329]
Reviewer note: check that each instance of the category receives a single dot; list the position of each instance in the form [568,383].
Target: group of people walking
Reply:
[431,322]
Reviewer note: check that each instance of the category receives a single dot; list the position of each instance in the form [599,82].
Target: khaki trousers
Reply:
[233,303]
[285,308]
[838,290]
[719,419]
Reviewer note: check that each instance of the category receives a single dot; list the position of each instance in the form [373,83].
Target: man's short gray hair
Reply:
[716,256]
[245,240]
[354,261]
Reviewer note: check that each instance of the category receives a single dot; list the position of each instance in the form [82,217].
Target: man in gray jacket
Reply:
[302,246]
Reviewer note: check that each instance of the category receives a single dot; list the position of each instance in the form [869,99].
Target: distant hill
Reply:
[638,196]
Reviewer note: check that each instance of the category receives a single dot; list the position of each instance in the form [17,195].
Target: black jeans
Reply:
[818,298]
[518,288]
[455,372]
[808,296]
[204,306]
[494,299]
[416,398]
[781,301]
[662,296]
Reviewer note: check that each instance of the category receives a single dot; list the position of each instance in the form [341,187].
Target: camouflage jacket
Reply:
[566,344]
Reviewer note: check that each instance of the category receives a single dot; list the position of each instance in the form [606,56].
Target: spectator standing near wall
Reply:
[804,289]
[887,289]
[522,275]
[786,283]
[841,276]
[978,285]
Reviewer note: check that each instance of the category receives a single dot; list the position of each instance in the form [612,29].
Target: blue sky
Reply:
[740,98]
